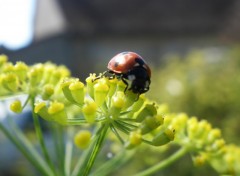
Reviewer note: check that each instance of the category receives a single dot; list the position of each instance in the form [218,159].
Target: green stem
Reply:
[76,121]
[121,127]
[129,125]
[68,153]
[40,136]
[89,158]
[167,162]
[116,133]
[59,146]
[95,149]
[112,164]
[26,148]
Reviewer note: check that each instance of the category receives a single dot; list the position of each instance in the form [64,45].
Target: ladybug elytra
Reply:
[131,68]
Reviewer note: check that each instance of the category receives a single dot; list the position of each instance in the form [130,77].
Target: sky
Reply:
[16,23]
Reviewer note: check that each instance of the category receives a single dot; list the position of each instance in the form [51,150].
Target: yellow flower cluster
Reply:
[130,117]
[39,79]
[103,103]
[204,142]
[101,100]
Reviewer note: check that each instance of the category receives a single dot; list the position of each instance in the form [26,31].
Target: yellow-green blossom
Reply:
[89,110]
[10,82]
[82,139]
[16,106]
[100,91]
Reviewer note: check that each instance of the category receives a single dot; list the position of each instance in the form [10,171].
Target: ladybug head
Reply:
[139,79]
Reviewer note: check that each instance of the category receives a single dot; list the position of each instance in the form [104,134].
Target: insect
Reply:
[132,69]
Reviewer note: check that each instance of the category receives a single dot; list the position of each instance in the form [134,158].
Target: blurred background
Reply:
[84,35]
[191,46]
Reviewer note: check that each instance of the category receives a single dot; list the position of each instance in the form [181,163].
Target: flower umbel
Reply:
[103,110]
[105,102]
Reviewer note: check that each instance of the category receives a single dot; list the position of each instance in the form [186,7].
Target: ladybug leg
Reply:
[113,76]
[126,83]
[100,76]
[138,94]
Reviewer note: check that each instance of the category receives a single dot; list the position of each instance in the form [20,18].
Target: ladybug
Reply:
[131,68]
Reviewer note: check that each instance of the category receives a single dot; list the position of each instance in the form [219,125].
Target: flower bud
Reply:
[230,159]
[49,70]
[16,106]
[54,74]
[112,86]
[100,92]
[82,139]
[192,127]
[139,103]
[90,83]
[163,137]
[56,110]
[55,77]
[150,123]
[36,74]
[117,103]
[135,139]
[21,70]
[55,107]
[200,160]
[179,122]
[66,91]
[213,135]
[218,144]
[89,110]
[203,129]
[64,71]
[131,98]
[148,110]
[8,67]
[10,82]
[121,86]
[77,91]
[48,91]
[40,108]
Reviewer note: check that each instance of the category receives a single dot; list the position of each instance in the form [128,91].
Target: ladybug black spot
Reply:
[116,64]
[139,61]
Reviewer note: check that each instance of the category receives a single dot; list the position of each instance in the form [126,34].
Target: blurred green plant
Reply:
[100,116]
[203,83]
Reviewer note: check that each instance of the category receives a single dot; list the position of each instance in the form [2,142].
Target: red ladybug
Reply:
[131,68]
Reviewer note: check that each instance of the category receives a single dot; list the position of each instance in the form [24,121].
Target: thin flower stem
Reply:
[116,133]
[21,142]
[91,154]
[84,156]
[68,157]
[167,162]
[40,137]
[26,101]
[129,125]
[77,121]
[95,149]
[59,146]
[129,120]
[112,164]
[121,127]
